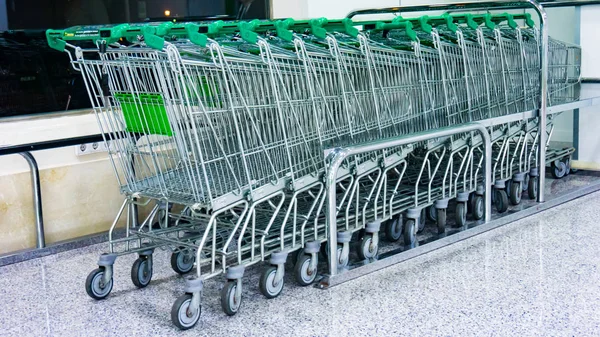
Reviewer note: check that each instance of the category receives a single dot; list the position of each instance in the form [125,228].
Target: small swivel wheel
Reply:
[183,313]
[231,294]
[271,279]
[515,193]
[410,236]
[141,271]
[501,200]
[305,270]
[393,229]
[441,220]
[99,282]
[182,261]
[559,169]
[369,245]
[422,220]
[305,275]
[268,284]
[96,285]
[432,213]
[478,207]
[532,188]
[461,214]
[229,301]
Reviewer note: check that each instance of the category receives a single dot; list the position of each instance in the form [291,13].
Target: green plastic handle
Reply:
[57,38]
[527,17]
[468,19]
[499,18]
[398,25]
[193,32]
[282,29]
[152,40]
[445,19]
[55,41]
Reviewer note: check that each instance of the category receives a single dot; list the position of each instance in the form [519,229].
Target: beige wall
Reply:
[80,195]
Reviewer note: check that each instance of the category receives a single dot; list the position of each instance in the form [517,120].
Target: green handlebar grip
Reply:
[55,41]
[194,35]
[349,27]
[316,27]
[487,19]
[282,30]
[152,40]
[499,18]
[424,25]
[164,28]
[396,24]
[527,17]
[445,19]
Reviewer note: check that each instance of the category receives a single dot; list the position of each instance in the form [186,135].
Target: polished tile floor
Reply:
[536,277]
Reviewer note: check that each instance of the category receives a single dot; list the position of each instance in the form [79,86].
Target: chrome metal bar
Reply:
[37,198]
[338,155]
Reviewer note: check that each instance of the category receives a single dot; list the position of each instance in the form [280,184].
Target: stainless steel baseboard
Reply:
[402,254]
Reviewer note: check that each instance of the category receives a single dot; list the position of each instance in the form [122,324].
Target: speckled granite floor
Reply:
[538,276]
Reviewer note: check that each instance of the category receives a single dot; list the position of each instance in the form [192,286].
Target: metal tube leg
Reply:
[37,198]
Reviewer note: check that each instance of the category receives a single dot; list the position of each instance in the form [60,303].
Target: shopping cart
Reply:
[222,128]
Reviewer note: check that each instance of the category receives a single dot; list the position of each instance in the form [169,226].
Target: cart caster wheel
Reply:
[478,207]
[343,259]
[229,302]
[532,188]
[501,201]
[470,203]
[303,271]
[94,284]
[515,193]
[410,236]
[422,220]
[367,248]
[182,314]
[182,261]
[441,220]
[393,229]
[267,284]
[525,183]
[461,214]
[432,213]
[141,271]
[559,169]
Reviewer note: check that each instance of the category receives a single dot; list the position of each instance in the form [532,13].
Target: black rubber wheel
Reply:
[267,284]
[568,164]
[366,249]
[181,315]
[532,188]
[432,214]
[470,203]
[479,207]
[461,214]
[515,193]
[393,229]
[558,169]
[182,261]
[441,220]
[229,303]
[501,201]
[302,272]
[410,236]
[422,220]
[525,183]
[94,285]
[141,272]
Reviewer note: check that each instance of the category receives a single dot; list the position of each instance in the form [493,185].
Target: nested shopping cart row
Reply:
[223,126]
